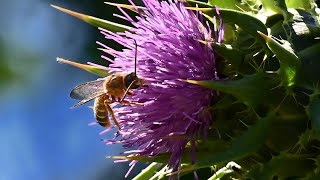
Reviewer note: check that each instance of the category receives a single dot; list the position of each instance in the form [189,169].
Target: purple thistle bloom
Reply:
[174,112]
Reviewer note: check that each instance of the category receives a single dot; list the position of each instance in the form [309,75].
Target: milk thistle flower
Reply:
[174,112]
[273,83]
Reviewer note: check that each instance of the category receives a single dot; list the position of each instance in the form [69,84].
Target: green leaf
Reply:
[229,4]
[97,22]
[103,72]
[301,4]
[247,143]
[200,4]
[276,7]
[251,89]
[289,61]
[148,172]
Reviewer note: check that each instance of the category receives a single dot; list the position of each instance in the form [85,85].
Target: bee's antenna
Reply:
[126,92]
[135,70]
[135,57]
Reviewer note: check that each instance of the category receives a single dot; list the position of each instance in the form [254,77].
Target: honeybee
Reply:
[105,91]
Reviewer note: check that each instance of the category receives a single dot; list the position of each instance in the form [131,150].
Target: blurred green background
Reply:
[41,137]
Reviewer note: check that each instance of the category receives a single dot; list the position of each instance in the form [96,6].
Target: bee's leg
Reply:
[108,108]
[130,102]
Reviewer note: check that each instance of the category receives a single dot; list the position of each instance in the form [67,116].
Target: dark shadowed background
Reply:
[41,137]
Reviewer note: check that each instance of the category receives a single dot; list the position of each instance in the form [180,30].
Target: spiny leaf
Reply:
[289,61]
[97,22]
[245,21]
[92,69]
[242,146]
[251,89]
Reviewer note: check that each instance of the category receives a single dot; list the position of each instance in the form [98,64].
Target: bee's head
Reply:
[128,79]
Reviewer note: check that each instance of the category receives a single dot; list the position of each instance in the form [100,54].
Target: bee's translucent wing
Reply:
[88,89]
[89,98]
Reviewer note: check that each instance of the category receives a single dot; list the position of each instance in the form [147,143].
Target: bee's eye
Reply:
[129,79]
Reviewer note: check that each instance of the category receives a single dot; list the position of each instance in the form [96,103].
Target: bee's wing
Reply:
[89,98]
[87,91]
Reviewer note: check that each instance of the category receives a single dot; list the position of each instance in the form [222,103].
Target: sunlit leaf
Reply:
[289,61]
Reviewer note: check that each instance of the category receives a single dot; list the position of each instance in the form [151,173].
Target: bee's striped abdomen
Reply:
[100,111]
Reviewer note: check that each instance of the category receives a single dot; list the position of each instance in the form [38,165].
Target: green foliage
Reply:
[289,61]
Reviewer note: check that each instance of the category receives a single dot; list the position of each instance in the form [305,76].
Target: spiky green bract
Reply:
[250,89]
[94,69]
[289,61]
[94,21]
[245,144]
